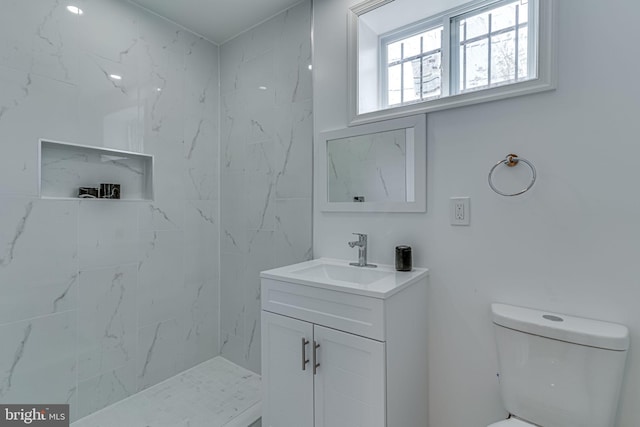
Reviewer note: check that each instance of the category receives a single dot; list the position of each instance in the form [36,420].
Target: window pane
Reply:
[432,40]
[477,25]
[463,66]
[503,58]
[411,46]
[523,12]
[476,64]
[393,85]
[504,17]
[394,52]
[431,75]
[411,82]
[523,54]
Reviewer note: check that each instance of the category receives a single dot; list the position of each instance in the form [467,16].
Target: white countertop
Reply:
[380,282]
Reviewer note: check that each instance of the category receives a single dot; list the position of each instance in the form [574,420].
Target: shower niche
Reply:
[65,167]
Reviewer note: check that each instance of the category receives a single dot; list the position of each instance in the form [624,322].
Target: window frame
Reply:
[543,20]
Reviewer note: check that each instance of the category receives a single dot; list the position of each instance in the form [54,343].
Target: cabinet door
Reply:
[287,387]
[350,381]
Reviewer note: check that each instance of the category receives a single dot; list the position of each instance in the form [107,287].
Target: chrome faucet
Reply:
[361,243]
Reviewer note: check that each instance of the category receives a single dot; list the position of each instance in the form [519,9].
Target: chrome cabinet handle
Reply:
[304,353]
[316,365]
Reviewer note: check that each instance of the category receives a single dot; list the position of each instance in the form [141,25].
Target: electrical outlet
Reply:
[459,211]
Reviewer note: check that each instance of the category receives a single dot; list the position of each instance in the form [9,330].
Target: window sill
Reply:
[455,101]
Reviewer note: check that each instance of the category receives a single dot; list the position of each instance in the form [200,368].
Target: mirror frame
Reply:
[418,123]
[545,81]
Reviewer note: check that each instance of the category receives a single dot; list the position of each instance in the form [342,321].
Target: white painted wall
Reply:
[571,244]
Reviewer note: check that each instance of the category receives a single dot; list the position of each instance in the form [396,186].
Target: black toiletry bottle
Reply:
[403,258]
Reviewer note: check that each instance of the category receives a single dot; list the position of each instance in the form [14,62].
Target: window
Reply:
[494,46]
[409,56]
[413,67]
[489,47]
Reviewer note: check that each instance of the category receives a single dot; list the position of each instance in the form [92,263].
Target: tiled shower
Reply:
[265,169]
[100,299]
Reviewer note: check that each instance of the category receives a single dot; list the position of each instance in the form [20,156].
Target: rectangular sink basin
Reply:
[380,282]
[343,273]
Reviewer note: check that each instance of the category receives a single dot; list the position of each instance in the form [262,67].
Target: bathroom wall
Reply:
[571,244]
[99,299]
[266,164]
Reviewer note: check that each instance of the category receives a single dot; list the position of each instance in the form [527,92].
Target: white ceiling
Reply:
[217,20]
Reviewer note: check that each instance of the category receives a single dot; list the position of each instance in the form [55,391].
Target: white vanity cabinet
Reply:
[343,353]
[347,389]
[284,383]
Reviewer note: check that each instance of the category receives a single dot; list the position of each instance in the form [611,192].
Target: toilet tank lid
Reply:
[577,330]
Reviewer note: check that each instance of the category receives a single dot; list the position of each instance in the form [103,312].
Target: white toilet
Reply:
[557,370]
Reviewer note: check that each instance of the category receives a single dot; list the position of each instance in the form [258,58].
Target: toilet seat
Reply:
[512,422]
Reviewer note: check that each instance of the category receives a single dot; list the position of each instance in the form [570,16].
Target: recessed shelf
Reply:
[64,167]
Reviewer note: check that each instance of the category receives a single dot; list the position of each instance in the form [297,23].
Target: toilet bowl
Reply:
[558,370]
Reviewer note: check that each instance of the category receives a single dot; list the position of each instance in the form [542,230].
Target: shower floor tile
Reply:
[215,393]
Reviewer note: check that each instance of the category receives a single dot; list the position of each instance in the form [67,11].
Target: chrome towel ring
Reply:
[511,160]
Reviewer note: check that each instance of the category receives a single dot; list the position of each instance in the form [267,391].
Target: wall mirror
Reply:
[377,167]
[408,56]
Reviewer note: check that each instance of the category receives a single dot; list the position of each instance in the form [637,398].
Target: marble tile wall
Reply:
[266,169]
[100,299]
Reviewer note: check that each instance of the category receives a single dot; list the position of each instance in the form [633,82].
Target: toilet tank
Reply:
[557,370]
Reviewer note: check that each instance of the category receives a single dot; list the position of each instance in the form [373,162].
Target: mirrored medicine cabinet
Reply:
[377,167]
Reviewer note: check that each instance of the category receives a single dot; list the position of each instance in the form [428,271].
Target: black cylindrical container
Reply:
[403,258]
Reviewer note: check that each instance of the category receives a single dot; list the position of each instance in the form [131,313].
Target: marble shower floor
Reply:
[215,393]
